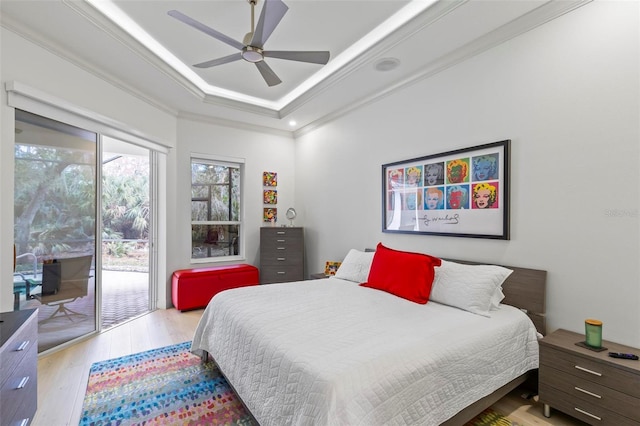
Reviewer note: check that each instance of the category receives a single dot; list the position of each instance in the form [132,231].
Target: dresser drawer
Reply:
[19,390]
[279,274]
[591,393]
[581,409]
[284,256]
[592,370]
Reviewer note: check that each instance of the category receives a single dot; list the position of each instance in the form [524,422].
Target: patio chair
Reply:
[64,281]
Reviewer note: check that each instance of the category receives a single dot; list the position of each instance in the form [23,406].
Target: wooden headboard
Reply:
[525,289]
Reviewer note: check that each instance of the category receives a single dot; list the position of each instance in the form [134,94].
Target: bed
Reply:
[333,352]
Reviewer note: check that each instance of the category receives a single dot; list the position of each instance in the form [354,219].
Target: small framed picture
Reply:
[270,214]
[330,268]
[269,179]
[270,196]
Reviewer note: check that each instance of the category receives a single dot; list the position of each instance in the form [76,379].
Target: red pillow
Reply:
[405,274]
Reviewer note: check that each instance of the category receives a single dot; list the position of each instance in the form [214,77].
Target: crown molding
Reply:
[33,37]
[417,23]
[208,119]
[533,19]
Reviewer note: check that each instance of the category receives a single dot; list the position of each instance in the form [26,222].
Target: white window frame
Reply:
[224,161]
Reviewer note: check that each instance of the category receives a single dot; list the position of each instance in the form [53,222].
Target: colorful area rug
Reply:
[489,417]
[170,386]
[165,386]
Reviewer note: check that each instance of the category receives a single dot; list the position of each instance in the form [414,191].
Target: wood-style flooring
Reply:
[62,376]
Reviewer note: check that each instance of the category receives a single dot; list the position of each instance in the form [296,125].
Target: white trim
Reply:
[217,159]
[35,101]
[231,162]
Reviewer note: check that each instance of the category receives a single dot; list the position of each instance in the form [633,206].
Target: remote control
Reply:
[623,355]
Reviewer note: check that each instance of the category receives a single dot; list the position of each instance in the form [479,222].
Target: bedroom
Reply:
[566,94]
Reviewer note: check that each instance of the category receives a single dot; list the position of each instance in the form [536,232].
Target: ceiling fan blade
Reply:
[270,16]
[205,29]
[291,55]
[267,73]
[219,61]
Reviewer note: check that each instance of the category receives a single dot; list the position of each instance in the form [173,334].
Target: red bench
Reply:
[194,288]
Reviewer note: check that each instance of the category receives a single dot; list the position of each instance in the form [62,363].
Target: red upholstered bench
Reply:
[194,288]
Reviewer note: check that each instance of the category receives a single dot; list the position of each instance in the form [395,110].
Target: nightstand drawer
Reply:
[20,389]
[17,347]
[591,393]
[591,370]
[580,409]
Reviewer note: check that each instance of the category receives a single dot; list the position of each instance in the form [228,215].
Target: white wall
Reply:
[260,150]
[567,95]
[38,68]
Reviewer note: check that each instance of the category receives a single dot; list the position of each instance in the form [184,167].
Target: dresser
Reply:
[281,254]
[19,367]
[588,385]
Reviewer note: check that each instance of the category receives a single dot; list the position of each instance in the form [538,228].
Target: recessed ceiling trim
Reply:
[425,18]
[55,49]
[107,16]
[536,17]
[232,123]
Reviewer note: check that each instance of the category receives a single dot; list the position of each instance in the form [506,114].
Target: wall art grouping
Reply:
[270,197]
[462,193]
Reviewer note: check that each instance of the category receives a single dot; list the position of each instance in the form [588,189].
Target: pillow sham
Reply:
[404,274]
[469,287]
[355,266]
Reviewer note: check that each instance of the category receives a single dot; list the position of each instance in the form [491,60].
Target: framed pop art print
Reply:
[461,193]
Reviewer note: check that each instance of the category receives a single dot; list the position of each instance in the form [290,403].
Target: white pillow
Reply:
[469,287]
[355,267]
[497,297]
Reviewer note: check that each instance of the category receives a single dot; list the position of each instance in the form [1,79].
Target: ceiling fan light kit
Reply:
[252,47]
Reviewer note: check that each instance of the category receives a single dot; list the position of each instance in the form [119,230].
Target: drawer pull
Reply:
[587,414]
[587,392]
[595,373]
[281,232]
[23,382]
[281,258]
[280,241]
[281,248]
[23,346]
[281,272]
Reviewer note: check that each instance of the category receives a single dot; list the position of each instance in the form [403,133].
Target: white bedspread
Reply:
[329,352]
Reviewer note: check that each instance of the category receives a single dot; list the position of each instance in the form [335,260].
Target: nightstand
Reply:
[588,385]
[318,276]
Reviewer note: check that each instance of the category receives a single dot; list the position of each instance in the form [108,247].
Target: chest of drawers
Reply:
[281,254]
[588,385]
[19,367]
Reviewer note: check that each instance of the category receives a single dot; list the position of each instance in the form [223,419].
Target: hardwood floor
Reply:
[62,376]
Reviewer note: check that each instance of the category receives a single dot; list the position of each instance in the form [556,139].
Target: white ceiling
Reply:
[426,36]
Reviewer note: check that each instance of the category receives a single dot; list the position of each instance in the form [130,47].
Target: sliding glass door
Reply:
[126,224]
[55,212]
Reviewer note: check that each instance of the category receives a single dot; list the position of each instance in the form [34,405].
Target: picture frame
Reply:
[330,267]
[459,193]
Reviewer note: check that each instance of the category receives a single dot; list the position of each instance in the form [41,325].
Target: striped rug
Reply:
[170,386]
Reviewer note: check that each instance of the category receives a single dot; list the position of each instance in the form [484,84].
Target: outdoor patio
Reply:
[125,295]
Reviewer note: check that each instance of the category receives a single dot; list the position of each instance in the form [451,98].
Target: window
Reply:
[216,214]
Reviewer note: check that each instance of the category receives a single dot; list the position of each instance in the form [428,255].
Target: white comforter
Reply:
[329,352]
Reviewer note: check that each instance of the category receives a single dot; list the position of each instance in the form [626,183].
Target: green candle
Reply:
[593,333]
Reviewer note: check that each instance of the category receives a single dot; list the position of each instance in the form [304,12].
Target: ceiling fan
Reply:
[252,46]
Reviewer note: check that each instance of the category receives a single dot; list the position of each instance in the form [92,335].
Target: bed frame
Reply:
[525,289]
